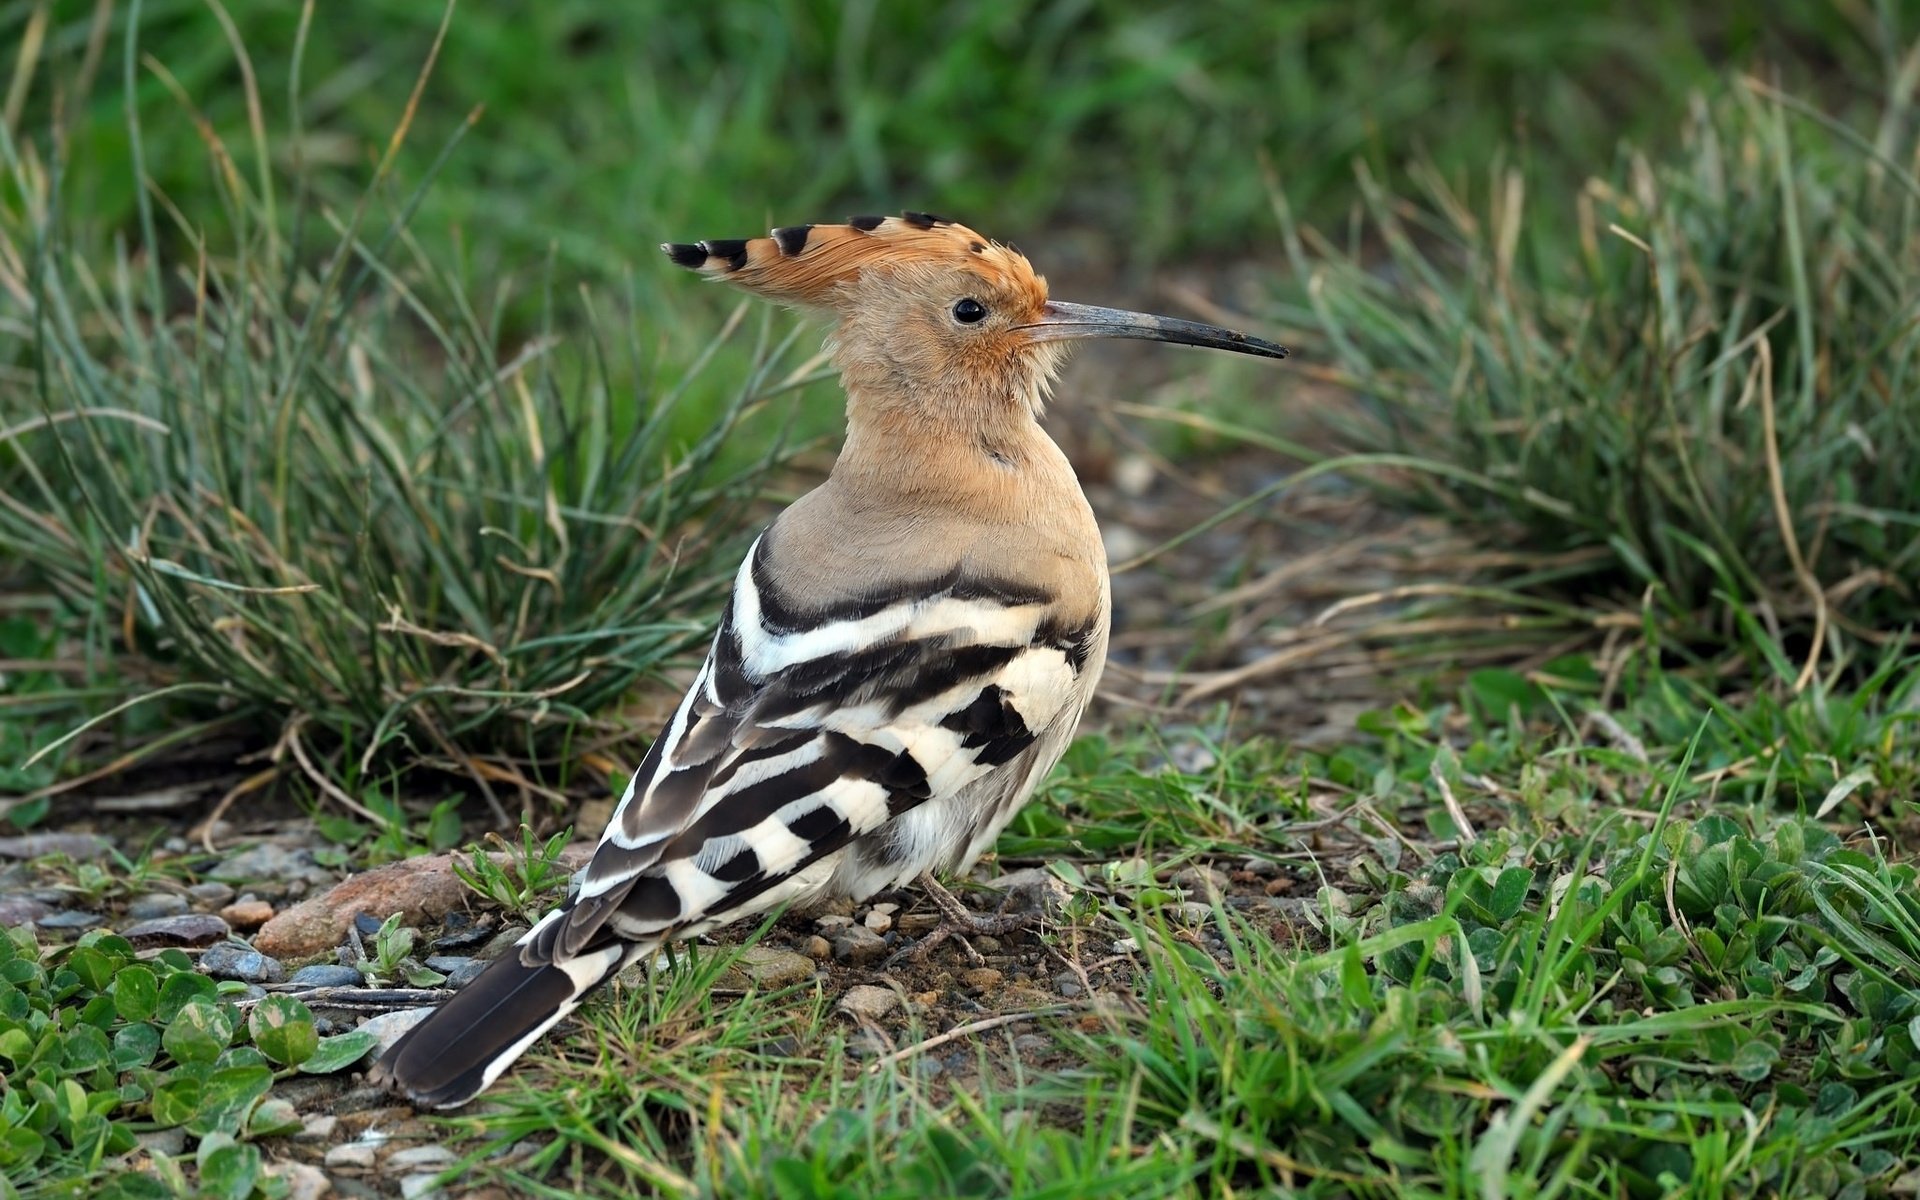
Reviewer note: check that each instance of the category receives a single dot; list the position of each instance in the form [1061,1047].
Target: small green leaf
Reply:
[94,968]
[228,1097]
[1754,1060]
[180,988]
[176,1100]
[136,994]
[229,1171]
[339,1053]
[1510,893]
[282,1028]
[135,1046]
[199,1033]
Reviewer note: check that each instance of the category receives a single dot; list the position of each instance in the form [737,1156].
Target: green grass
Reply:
[1708,402]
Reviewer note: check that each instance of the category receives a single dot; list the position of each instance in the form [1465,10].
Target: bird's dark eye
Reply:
[969,311]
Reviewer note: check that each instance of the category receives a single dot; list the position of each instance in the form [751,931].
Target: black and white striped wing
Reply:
[805,732]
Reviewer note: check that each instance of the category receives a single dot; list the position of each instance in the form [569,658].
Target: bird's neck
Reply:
[980,452]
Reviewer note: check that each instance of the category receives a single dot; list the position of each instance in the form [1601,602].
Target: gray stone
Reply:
[420,1158]
[327,975]
[466,973]
[77,846]
[866,1044]
[501,942]
[1068,984]
[1203,882]
[186,929]
[17,909]
[154,905]
[859,946]
[232,961]
[71,919]
[1032,1043]
[420,1187]
[869,1002]
[1034,889]
[317,1128]
[351,1156]
[770,967]
[163,1141]
[304,1181]
[1192,912]
[389,1027]
[211,894]
[270,865]
[831,924]
[447,964]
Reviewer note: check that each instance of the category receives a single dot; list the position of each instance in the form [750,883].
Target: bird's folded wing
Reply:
[804,732]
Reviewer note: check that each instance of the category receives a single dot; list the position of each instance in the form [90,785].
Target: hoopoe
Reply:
[906,652]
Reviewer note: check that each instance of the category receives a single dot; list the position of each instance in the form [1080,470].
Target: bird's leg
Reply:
[959,922]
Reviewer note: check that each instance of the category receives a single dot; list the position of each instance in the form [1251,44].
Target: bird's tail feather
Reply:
[459,1051]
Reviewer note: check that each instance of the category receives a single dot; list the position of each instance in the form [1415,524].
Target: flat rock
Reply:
[859,946]
[770,967]
[420,1158]
[231,961]
[981,979]
[869,1002]
[22,910]
[390,1027]
[327,975]
[155,905]
[187,929]
[211,894]
[71,919]
[36,845]
[352,1156]
[1034,889]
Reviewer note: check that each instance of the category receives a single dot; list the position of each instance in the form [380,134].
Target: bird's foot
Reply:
[958,923]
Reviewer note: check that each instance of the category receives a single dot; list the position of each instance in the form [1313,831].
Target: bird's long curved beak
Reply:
[1061,321]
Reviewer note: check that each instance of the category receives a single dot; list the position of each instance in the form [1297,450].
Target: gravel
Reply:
[231,961]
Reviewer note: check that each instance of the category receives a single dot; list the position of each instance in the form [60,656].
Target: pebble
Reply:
[18,910]
[269,863]
[501,942]
[317,1128]
[960,1062]
[1032,1043]
[1202,882]
[350,1155]
[878,921]
[869,1002]
[817,948]
[247,914]
[187,929]
[1068,984]
[463,937]
[1266,868]
[885,908]
[388,1027]
[154,905]
[367,925]
[447,964]
[467,973]
[981,979]
[420,1187]
[859,945]
[987,944]
[831,924]
[420,1158]
[327,975]
[771,967]
[72,919]
[77,846]
[929,1067]
[211,894]
[304,1181]
[231,961]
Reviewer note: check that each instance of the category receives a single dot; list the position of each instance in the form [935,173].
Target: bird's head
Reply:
[929,313]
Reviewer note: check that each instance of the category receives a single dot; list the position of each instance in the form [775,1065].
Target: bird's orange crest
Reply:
[812,264]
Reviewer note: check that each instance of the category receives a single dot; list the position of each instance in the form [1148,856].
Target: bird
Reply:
[905,654]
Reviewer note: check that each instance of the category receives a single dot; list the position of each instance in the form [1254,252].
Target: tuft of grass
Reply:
[306,488]
[1710,398]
